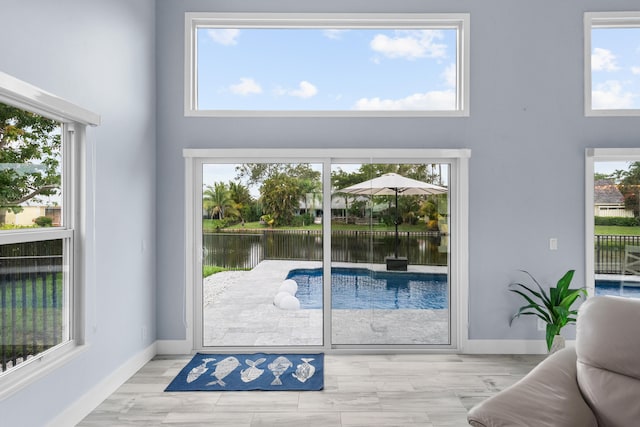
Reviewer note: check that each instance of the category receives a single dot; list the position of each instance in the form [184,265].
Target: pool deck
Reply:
[241,313]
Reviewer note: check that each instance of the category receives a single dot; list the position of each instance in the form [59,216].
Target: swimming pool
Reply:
[617,287]
[360,288]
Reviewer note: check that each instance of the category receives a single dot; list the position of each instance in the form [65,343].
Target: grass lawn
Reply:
[614,230]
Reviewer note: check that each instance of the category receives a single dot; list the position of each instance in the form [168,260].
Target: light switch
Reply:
[553,244]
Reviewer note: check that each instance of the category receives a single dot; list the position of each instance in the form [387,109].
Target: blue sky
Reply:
[324,69]
[615,68]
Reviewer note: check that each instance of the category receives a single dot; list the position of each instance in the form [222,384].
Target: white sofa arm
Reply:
[547,396]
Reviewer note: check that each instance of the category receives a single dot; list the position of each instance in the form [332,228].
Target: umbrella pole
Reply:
[396,223]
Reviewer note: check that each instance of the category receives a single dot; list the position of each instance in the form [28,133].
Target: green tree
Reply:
[280,197]
[629,186]
[242,200]
[258,173]
[29,158]
[217,201]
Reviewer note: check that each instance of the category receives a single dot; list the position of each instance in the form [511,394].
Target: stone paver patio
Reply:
[242,313]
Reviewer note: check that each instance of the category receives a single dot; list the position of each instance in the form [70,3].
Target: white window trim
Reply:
[593,155]
[459,261]
[604,20]
[460,21]
[74,119]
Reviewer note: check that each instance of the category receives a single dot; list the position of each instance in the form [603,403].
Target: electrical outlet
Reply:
[542,326]
[143,334]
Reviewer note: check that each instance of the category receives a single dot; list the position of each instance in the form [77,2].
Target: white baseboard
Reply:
[470,346]
[87,403]
[508,346]
[174,347]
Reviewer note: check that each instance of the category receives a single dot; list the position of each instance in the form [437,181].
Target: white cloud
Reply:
[247,86]
[304,90]
[450,75]
[410,44]
[224,36]
[635,70]
[610,95]
[603,60]
[434,100]
[333,34]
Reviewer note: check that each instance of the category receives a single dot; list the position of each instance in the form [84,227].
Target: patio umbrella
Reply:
[391,184]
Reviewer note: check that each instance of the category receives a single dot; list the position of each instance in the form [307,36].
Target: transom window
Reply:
[239,64]
[612,64]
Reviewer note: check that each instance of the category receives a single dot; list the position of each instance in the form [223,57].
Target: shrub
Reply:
[617,221]
[302,220]
[43,221]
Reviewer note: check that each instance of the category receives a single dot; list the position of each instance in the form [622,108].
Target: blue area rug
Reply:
[255,371]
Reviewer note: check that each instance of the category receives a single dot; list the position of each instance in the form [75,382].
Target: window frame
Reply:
[460,21]
[604,20]
[74,121]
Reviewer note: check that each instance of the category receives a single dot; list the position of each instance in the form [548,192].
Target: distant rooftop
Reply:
[606,193]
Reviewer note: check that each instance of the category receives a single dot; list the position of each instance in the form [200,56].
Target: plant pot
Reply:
[557,344]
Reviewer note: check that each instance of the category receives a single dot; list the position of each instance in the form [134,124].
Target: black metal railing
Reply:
[245,250]
[609,252]
[31,302]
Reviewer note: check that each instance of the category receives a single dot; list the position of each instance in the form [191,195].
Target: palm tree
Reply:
[241,197]
[217,201]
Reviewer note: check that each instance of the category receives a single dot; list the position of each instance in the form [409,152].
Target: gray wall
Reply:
[527,133]
[99,55]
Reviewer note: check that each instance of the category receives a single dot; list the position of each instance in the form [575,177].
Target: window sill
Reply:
[36,368]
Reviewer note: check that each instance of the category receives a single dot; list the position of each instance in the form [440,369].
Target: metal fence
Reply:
[609,252]
[245,250]
[31,306]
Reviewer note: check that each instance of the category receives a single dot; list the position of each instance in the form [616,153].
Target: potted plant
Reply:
[553,308]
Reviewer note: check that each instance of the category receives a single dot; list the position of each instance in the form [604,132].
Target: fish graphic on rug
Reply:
[195,373]
[278,367]
[304,371]
[252,372]
[224,368]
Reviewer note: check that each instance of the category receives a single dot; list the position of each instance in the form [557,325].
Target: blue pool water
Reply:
[617,287]
[359,288]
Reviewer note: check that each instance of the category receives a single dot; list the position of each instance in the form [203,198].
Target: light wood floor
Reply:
[360,390]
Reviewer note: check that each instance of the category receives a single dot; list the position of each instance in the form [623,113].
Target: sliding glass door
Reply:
[324,251]
[389,259]
[260,222]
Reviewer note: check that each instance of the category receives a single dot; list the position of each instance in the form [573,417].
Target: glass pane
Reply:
[33,300]
[262,244]
[30,170]
[615,70]
[617,231]
[390,263]
[286,69]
